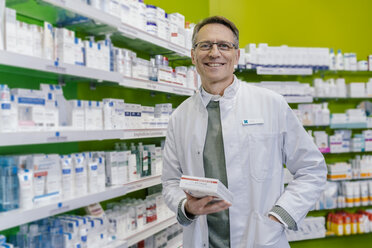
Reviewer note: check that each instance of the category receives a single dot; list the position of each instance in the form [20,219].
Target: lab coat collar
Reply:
[229,93]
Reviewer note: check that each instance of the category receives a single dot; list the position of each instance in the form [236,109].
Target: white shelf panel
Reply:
[21,216]
[44,137]
[150,229]
[151,85]
[143,183]
[45,65]
[283,71]
[144,133]
[298,99]
[127,30]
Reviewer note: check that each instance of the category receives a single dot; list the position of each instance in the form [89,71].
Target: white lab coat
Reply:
[254,156]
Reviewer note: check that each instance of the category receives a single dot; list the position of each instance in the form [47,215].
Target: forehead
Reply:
[215,32]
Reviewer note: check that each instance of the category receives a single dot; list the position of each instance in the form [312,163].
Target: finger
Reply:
[217,207]
[205,201]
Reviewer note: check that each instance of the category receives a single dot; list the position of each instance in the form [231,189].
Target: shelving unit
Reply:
[48,68]
[21,216]
[96,23]
[99,23]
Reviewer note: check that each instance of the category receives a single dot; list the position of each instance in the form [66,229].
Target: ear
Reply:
[237,56]
[193,57]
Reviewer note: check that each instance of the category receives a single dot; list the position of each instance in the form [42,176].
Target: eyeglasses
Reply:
[222,45]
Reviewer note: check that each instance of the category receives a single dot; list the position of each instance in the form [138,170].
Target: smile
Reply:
[214,64]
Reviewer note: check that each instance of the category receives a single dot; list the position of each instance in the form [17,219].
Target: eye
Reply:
[224,46]
[204,45]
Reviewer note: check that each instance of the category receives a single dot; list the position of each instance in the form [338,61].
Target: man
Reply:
[241,135]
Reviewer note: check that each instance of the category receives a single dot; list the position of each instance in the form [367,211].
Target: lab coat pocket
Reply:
[263,154]
[268,232]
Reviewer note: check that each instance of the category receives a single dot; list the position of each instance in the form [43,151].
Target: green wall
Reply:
[193,10]
[340,24]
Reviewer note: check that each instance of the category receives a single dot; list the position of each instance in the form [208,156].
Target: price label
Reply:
[60,209]
[135,187]
[148,134]
[57,138]
[56,69]
[181,91]
[151,86]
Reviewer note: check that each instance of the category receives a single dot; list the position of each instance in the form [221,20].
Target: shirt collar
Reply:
[229,92]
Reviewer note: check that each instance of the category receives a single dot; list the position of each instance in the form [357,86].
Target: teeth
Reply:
[214,65]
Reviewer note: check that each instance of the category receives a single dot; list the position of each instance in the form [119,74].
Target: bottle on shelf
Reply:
[339,61]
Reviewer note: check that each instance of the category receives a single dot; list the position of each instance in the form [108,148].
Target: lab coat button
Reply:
[198,152]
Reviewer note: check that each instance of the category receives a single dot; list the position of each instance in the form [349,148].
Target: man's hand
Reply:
[274,218]
[200,206]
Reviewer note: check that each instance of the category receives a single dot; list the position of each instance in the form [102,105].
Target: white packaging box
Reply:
[114,8]
[142,19]
[2,24]
[164,74]
[370,62]
[140,68]
[339,119]
[137,116]
[24,39]
[48,42]
[134,13]
[125,12]
[105,55]
[122,167]
[201,187]
[369,88]
[31,109]
[77,115]
[128,117]
[51,114]
[148,117]
[339,171]
[47,177]
[356,115]
[111,168]
[335,143]
[93,115]
[307,114]
[37,41]
[159,161]
[178,19]
[367,140]
[91,51]
[10,30]
[113,113]
[65,45]
[357,89]
[321,140]
[181,72]
[79,52]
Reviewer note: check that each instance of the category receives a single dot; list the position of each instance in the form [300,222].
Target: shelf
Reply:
[359,125]
[68,71]
[151,229]
[261,70]
[298,99]
[44,137]
[175,242]
[21,216]
[82,17]
[151,85]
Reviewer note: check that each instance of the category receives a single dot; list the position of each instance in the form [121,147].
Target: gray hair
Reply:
[219,20]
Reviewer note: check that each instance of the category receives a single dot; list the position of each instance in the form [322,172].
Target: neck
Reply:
[217,88]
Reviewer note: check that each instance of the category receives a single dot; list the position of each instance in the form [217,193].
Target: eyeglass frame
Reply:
[216,43]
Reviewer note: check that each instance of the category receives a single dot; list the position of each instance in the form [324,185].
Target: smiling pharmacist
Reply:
[241,135]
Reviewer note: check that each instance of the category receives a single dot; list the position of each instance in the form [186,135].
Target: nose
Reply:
[214,52]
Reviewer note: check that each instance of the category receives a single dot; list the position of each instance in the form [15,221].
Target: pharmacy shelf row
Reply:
[47,66]
[148,230]
[103,23]
[29,138]
[18,217]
